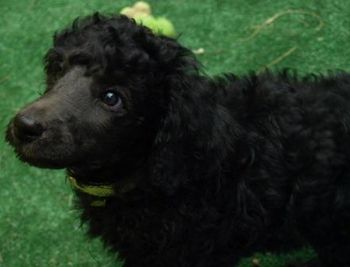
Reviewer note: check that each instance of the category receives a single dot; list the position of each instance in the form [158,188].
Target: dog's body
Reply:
[203,171]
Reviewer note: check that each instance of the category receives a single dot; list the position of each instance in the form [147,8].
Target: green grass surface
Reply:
[37,224]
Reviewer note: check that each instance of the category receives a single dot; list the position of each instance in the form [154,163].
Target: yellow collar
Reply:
[98,190]
[101,191]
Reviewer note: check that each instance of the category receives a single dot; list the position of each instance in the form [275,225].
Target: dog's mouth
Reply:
[42,152]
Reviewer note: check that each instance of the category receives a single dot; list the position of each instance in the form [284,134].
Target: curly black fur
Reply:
[220,168]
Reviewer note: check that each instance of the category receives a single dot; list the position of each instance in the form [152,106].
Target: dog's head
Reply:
[105,91]
[116,93]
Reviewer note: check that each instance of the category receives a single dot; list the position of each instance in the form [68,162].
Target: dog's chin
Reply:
[40,156]
[43,160]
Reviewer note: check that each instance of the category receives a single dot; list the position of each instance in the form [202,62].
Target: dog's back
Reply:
[297,134]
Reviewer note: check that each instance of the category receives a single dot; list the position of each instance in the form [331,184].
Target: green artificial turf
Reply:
[37,224]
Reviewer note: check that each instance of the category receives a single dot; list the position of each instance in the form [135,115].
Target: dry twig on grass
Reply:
[280,14]
[278,59]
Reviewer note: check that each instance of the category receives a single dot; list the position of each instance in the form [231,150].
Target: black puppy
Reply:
[173,168]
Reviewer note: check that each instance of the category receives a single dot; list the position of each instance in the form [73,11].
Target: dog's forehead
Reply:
[72,81]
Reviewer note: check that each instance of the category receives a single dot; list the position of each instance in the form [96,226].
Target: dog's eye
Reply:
[112,100]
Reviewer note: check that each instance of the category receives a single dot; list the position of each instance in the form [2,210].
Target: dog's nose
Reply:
[26,128]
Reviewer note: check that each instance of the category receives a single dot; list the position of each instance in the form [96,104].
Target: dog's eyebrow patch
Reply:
[79,58]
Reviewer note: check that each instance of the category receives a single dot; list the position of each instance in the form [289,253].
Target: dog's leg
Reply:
[334,252]
[332,245]
[323,219]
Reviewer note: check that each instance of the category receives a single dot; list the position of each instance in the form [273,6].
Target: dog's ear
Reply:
[170,160]
[194,137]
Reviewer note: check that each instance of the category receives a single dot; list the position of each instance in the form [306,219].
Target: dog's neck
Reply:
[107,170]
[105,175]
